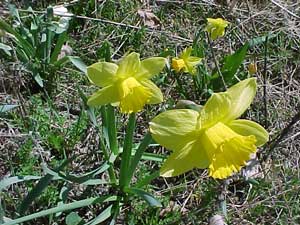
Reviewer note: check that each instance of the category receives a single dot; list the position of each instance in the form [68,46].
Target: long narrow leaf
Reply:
[144,195]
[126,155]
[62,208]
[146,180]
[61,39]
[23,43]
[104,215]
[78,63]
[112,132]
[138,154]
[38,189]
[6,182]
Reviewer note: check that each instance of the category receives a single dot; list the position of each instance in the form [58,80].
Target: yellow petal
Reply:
[133,95]
[186,53]
[151,67]
[186,159]
[241,95]
[156,95]
[173,129]
[216,27]
[216,109]
[232,156]
[129,65]
[178,65]
[104,96]
[227,106]
[191,63]
[102,73]
[247,127]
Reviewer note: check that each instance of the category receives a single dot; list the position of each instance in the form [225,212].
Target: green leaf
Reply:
[153,157]
[144,195]
[38,189]
[58,46]
[147,179]
[104,51]
[73,219]
[6,49]
[138,154]
[14,12]
[126,155]
[231,64]
[81,179]
[39,80]
[104,215]
[17,179]
[62,208]
[25,45]
[90,110]
[112,132]
[261,40]
[5,108]
[78,63]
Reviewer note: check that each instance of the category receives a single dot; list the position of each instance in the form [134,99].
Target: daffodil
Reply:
[213,137]
[126,84]
[185,62]
[216,27]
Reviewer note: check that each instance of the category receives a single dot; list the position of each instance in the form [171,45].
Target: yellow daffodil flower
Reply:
[127,84]
[186,62]
[213,137]
[216,27]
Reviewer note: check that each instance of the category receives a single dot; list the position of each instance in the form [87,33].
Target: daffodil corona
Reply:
[216,27]
[212,138]
[127,84]
[186,62]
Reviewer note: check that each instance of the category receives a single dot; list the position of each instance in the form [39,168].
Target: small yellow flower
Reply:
[216,27]
[186,62]
[127,84]
[212,138]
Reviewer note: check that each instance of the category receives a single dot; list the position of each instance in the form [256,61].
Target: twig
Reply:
[265,84]
[215,61]
[274,143]
[285,9]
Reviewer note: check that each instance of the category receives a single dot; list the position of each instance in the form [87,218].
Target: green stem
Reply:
[126,155]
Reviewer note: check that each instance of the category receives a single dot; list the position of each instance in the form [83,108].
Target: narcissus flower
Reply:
[127,84]
[185,62]
[216,27]
[212,138]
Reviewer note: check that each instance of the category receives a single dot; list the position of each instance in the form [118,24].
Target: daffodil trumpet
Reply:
[213,137]
[185,62]
[126,84]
